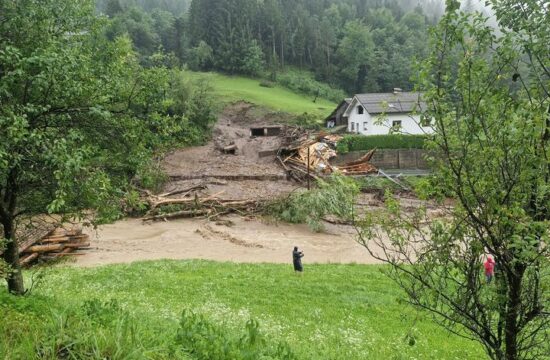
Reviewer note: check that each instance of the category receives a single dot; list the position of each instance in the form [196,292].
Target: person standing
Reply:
[489,269]
[297,256]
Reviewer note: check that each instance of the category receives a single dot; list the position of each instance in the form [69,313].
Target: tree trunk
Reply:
[513,307]
[11,257]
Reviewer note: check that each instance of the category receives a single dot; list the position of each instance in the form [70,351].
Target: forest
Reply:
[354,45]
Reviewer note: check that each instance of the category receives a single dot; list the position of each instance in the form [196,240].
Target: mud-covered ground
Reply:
[245,175]
[236,239]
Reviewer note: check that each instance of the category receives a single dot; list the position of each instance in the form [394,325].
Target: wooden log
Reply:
[28,259]
[55,236]
[77,245]
[56,240]
[185,201]
[178,214]
[176,192]
[45,248]
[82,237]
[74,232]
[63,252]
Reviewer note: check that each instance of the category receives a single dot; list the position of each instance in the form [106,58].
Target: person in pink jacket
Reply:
[489,266]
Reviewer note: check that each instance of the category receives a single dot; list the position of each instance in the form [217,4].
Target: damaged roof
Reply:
[396,102]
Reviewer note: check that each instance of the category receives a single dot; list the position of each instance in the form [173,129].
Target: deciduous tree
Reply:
[78,116]
[492,155]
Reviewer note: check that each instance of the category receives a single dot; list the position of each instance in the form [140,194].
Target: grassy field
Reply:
[235,88]
[133,312]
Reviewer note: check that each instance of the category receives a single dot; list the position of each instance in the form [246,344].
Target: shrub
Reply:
[204,340]
[334,196]
[307,121]
[342,147]
[304,82]
[392,141]
[267,84]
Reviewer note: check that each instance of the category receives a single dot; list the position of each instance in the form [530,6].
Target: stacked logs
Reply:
[58,243]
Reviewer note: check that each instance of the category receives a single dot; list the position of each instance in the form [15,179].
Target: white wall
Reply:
[358,119]
[410,124]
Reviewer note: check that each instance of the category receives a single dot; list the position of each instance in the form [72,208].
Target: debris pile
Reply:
[311,157]
[192,203]
[57,243]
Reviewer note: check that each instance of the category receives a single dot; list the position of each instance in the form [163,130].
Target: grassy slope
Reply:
[331,312]
[235,88]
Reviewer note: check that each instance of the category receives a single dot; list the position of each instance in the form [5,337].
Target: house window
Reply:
[357,127]
[396,125]
[360,109]
[352,126]
[365,126]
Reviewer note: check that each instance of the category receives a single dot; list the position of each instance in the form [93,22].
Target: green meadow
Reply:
[134,311]
[236,88]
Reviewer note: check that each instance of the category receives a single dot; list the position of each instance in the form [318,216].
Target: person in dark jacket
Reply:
[297,256]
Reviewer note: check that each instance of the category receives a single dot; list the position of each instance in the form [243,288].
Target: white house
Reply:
[380,113]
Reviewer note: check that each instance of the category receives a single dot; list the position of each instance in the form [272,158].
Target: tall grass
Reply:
[135,312]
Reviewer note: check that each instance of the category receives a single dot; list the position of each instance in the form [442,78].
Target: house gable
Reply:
[353,104]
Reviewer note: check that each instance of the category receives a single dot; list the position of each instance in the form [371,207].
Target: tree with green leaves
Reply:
[79,118]
[354,55]
[492,155]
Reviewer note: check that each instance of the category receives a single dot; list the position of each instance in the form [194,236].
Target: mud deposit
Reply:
[232,239]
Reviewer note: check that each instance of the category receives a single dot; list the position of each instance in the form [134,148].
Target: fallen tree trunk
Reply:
[45,248]
[178,214]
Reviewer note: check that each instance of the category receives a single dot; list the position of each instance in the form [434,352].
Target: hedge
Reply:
[393,141]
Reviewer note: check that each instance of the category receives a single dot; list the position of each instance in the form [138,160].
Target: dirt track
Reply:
[244,241]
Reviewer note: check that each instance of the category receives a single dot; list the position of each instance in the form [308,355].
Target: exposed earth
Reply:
[235,239]
[243,175]
[247,174]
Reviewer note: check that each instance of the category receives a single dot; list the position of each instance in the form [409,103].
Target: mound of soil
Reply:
[249,173]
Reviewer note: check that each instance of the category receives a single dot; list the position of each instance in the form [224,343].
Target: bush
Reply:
[334,196]
[392,141]
[205,341]
[307,121]
[304,82]
[267,84]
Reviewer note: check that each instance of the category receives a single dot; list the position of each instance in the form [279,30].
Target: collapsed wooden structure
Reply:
[311,158]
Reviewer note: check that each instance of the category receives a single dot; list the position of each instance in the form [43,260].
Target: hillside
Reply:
[236,88]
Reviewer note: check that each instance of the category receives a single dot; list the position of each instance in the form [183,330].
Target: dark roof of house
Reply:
[401,102]
[345,102]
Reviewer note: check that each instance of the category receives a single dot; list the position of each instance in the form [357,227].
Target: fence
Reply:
[406,159]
